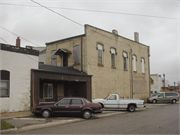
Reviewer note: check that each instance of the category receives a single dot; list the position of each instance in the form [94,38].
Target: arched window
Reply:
[100,54]
[125,56]
[134,63]
[4,83]
[143,65]
[113,57]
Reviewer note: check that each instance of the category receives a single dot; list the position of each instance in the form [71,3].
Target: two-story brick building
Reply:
[117,64]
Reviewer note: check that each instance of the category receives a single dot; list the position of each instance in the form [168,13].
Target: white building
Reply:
[157,83]
[15,84]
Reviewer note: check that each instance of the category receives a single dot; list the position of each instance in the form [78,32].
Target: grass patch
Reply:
[5,125]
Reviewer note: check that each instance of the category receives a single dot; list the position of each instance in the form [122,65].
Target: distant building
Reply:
[157,82]
[15,69]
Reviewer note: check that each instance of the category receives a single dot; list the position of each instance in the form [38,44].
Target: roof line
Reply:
[48,43]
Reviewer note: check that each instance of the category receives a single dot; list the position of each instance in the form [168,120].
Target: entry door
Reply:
[60,91]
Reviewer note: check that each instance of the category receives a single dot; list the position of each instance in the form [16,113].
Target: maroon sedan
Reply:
[69,105]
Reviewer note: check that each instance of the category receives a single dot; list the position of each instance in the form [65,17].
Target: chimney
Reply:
[136,36]
[115,31]
[18,42]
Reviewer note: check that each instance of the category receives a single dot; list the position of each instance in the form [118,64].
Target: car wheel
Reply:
[131,108]
[46,114]
[154,101]
[102,106]
[173,101]
[87,114]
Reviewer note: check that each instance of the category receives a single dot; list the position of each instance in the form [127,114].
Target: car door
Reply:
[76,106]
[111,102]
[161,98]
[62,107]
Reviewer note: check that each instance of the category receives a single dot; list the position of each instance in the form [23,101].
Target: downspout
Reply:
[149,71]
[132,73]
[81,53]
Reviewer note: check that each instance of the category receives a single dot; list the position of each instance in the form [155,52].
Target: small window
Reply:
[125,60]
[64,102]
[77,102]
[76,54]
[134,62]
[161,95]
[4,83]
[100,54]
[53,58]
[113,58]
[47,91]
[143,65]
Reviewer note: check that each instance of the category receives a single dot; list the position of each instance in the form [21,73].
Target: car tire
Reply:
[131,108]
[173,101]
[154,101]
[102,106]
[46,113]
[87,114]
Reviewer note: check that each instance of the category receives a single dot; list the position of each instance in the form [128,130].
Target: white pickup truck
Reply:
[113,101]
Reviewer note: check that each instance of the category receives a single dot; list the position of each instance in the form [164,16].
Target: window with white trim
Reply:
[4,83]
[100,54]
[125,60]
[47,90]
[143,65]
[134,63]
[113,57]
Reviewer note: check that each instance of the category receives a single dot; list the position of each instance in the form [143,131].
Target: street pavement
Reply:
[27,121]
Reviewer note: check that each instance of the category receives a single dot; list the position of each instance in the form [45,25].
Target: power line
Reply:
[4,40]
[57,13]
[88,10]
[19,36]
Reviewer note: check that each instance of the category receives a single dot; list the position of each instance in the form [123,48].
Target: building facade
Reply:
[117,64]
[15,83]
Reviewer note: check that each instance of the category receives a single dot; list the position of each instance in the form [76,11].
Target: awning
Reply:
[60,50]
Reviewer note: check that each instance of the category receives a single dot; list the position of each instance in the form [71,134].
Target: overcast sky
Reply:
[156,21]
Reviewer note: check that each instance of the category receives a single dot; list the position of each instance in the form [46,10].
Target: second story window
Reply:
[113,58]
[125,60]
[100,54]
[76,54]
[134,63]
[53,58]
[143,65]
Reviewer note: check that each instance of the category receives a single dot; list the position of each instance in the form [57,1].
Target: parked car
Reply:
[164,97]
[113,101]
[68,106]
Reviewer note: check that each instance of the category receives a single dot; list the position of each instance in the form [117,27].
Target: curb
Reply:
[6,118]
[8,130]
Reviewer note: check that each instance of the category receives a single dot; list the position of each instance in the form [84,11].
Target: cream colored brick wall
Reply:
[106,80]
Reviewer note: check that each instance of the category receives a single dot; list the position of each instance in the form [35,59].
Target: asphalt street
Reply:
[158,120]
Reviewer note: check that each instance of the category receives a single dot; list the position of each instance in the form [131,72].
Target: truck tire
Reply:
[131,108]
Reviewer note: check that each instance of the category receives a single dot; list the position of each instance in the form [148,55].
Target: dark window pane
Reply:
[77,54]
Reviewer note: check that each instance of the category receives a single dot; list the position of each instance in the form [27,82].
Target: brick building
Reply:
[117,64]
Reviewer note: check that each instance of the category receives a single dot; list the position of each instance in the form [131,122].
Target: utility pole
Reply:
[164,81]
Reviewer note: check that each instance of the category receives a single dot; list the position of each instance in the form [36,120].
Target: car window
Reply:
[87,101]
[112,97]
[171,94]
[64,102]
[161,95]
[77,102]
